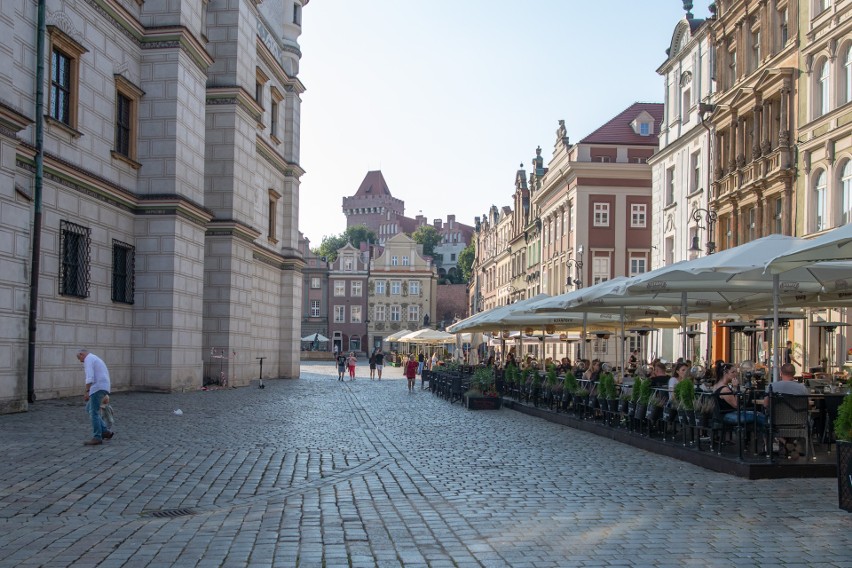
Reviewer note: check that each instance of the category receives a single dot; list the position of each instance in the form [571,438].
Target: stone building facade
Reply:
[170,194]
[347,299]
[402,289]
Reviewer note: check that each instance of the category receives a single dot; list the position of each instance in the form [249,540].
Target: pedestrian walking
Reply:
[97,387]
[372,362]
[352,361]
[341,365]
[411,372]
[380,362]
[420,360]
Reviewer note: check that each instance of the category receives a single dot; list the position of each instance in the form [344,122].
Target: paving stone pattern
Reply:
[318,473]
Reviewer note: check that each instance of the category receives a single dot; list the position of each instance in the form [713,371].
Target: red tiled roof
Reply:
[619,131]
[374,184]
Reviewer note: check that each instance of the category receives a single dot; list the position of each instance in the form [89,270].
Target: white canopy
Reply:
[394,337]
[835,245]
[428,337]
[316,337]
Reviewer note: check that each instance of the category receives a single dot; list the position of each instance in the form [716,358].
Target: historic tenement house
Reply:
[824,186]
[754,118]
[347,299]
[681,167]
[401,290]
[169,243]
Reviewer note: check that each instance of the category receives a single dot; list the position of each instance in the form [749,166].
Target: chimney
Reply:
[439,224]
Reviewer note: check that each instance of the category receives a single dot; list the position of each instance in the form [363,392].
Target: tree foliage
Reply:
[429,237]
[332,243]
[465,262]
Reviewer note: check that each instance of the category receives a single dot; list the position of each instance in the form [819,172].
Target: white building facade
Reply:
[680,169]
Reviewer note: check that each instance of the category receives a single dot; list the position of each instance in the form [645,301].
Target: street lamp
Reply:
[709,217]
[577,263]
[510,291]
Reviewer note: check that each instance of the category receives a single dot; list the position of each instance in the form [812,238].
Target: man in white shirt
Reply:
[97,387]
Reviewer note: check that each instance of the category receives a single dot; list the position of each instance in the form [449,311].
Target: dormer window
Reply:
[643,125]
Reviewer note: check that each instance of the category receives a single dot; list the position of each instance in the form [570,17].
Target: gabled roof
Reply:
[619,129]
[374,184]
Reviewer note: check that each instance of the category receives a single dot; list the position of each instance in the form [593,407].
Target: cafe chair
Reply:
[789,417]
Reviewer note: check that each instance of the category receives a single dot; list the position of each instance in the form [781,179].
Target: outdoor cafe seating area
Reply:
[776,288]
[647,417]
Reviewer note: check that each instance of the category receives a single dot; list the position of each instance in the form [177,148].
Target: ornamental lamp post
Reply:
[577,263]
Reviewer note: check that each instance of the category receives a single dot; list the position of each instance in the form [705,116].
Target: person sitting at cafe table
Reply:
[678,374]
[659,376]
[788,383]
[725,392]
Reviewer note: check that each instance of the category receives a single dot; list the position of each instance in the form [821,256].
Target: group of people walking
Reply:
[413,365]
[350,361]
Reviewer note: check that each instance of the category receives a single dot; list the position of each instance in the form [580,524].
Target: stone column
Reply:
[732,145]
[756,129]
[765,128]
[741,142]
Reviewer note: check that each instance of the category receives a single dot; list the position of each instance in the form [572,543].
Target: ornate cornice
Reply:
[232,228]
[12,121]
[276,160]
[73,177]
[235,95]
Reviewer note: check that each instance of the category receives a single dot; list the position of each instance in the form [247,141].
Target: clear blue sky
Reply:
[447,98]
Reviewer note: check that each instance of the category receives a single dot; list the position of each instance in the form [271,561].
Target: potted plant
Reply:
[644,388]
[481,395]
[656,402]
[512,375]
[684,393]
[580,396]
[703,408]
[843,433]
[550,381]
[607,392]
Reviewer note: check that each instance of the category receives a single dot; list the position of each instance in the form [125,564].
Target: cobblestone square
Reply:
[314,472]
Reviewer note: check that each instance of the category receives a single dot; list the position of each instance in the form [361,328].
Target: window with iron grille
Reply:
[74,244]
[123,271]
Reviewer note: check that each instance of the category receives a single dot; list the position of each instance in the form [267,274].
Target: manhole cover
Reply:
[170,513]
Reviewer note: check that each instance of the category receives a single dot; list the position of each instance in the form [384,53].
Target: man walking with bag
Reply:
[97,387]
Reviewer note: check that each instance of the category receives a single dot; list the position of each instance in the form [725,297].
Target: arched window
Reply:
[846,194]
[823,89]
[847,74]
[818,203]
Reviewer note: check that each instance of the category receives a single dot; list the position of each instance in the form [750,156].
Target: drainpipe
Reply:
[39,176]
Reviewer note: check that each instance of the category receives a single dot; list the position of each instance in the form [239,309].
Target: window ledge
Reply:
[695,192]
[122,158]
[62,126]
[671,205]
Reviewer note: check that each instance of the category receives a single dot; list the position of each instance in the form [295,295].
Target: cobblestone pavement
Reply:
[314,472]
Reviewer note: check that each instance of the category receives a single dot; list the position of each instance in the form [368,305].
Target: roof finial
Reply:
[687,5]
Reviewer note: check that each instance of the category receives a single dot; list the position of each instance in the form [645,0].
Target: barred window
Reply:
[123,271]
[74,244]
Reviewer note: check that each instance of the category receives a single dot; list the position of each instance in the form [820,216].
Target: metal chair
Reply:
[789,418]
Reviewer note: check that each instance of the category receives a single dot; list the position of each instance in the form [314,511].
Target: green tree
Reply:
[332,243]
[465,262]
[429,237]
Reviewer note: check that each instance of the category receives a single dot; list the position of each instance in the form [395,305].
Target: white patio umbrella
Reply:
[835,245]
[485,321]
[316,337]
[394,337]
[738,277]
[428,337]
